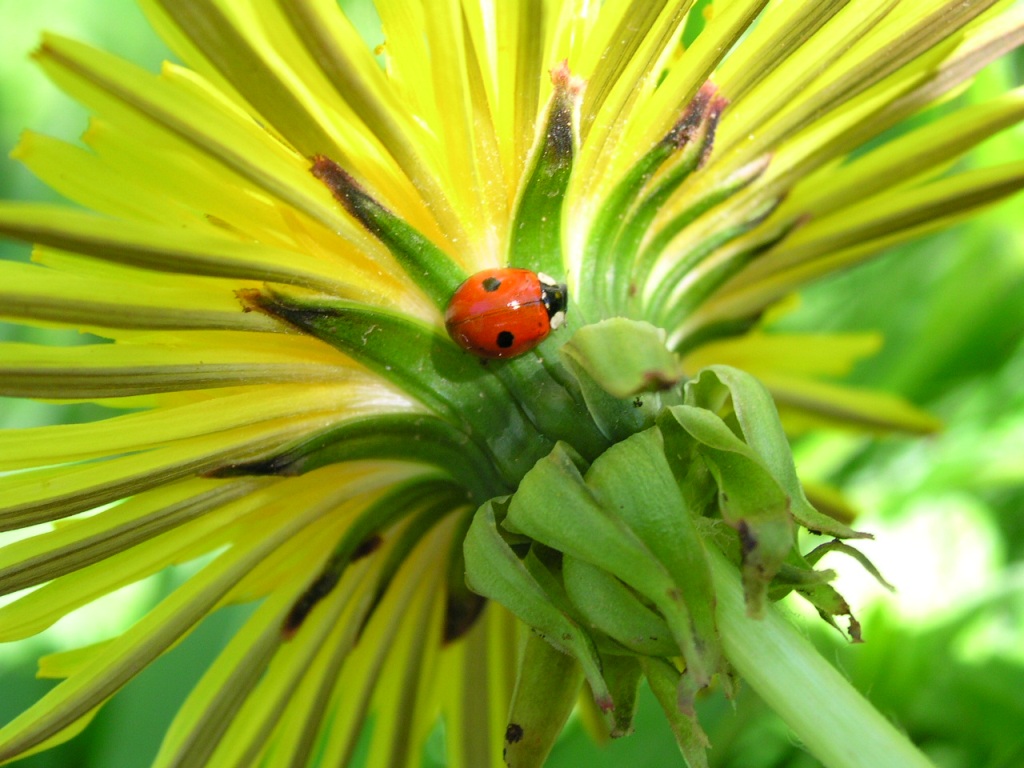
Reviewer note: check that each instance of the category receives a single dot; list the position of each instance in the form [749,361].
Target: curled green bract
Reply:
[609,560]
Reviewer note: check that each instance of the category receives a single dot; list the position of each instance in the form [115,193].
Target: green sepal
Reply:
[545,567]
[615,417]
[824,597]
[610,607]
[554,504]
[664,680]
[634,479]
[436,273]
[829,604]
[795,575]
[419,437]
[798,575]
[623,674]
[362,535]
[423,362]
[547,686]
[536,233]
[749,498]
[626,357]
[495,571]
[745,403]
[820,551]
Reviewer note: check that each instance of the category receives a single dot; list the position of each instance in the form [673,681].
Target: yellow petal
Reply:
[688,73]
[853,235]
[481,672]
[761,353]
[182,108]
[805,404]
[148,245]
[151,636]
[50,494]
[132,300]
[930,149]
[209,417]
[83,542]
[119,370]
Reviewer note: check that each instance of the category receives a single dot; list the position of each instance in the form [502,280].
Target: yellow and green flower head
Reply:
[490,521]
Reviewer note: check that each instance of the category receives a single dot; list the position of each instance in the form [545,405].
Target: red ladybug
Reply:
[505,312]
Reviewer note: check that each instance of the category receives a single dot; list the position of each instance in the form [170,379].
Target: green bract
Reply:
[614,562]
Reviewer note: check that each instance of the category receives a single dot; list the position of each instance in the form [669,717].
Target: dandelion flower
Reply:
[269,234]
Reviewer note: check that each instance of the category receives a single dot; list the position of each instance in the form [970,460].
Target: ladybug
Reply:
[505,312]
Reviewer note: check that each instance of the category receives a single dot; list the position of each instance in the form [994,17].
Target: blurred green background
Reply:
[944,656]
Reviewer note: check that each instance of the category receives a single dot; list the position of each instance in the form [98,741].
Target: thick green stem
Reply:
[833,720]
[546,691]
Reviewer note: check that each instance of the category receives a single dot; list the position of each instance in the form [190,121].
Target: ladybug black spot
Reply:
[505,339]
[491,284]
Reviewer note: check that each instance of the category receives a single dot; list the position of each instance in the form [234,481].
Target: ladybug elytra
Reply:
[505,312]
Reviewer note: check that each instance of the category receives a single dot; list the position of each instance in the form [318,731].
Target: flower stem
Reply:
[546,691]
[833,720]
